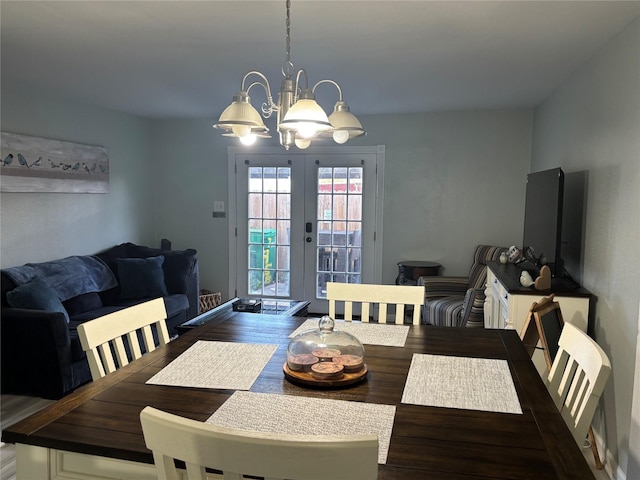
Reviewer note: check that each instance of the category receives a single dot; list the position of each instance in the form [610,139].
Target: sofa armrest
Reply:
[473,308]
[436,287]
[36,353]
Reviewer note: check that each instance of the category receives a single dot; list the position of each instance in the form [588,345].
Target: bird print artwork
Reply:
[8,160]
[22,161]
[33,164]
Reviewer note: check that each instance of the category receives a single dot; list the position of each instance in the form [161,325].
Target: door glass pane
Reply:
[339,242]
[269,249]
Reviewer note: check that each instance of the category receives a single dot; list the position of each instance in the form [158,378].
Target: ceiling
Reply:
[168,59]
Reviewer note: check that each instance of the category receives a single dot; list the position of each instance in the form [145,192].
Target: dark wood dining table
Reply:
[101,420]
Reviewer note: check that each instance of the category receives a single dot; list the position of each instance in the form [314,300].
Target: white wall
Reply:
[43,226]
[452,180]
[592,123]
[193,160]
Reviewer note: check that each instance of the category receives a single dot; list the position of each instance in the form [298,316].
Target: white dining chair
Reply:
[102,337]
[240,452]
[370,294]
[577,378]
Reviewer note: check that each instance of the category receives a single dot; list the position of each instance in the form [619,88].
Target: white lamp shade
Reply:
[306,118]
[345,121]
[241,118]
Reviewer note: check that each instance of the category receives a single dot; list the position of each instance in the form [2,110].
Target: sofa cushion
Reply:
[98,312]
[443,312]
[82,303]
[173,304]
[36,295]
[178,264]
[141,277]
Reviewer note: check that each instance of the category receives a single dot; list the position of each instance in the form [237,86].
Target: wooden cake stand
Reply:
[308,380]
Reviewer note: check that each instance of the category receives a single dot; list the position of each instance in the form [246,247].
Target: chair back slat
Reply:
[134,344]
[382,295]
[147,335]
[267,455]
[364,312]
[121,353]
[332,309]
[348,311]
[95,363]
[102,338]
[106,358]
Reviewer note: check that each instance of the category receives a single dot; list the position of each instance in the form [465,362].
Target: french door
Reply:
[298,221]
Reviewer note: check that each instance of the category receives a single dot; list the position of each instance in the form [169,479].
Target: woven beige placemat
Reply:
[225,365]
[287,414]
[389,335]
[460,382]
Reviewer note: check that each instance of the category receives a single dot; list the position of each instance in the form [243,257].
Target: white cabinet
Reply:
[507,303]
[496,304]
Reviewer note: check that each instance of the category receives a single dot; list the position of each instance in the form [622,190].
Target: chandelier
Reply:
[299,117]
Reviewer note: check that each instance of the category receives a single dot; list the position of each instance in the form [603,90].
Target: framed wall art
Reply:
[33,164]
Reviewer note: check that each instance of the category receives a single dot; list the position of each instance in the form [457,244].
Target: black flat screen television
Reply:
[543,220]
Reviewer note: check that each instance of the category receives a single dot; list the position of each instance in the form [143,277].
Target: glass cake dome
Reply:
[325,354]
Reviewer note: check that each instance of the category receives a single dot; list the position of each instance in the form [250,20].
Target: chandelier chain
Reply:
[287,68]
[288,24]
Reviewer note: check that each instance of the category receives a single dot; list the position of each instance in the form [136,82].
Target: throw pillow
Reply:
[141,277]
[36,294]
[178,266]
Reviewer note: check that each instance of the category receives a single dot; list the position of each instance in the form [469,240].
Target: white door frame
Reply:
[233,152]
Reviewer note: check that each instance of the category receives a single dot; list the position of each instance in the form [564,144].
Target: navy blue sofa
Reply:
[41,353]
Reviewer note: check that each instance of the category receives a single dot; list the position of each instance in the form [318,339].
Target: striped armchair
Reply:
[459,301]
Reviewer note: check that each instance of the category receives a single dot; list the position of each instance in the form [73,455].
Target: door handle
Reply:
[309,239]
[308,227]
